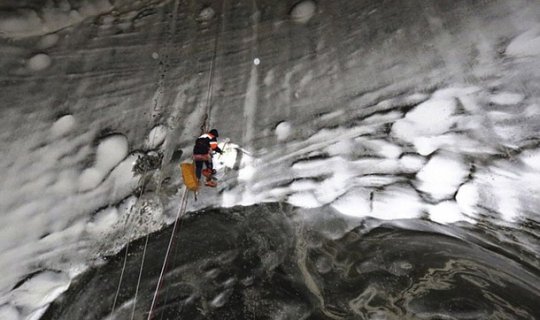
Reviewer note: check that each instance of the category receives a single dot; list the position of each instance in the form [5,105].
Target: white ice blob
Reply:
[467,198]
[447,212]
[207,14]
[283,130]
[111,151]
[89,179]
[410,163]
[62,126]
[396,202]
[355,203]
[156,136]
[48,41]
[526,44]
[442,175]
[103,221]
[304,199]
[39,62]
[8,311]
[430,118]
[256,61]
[303,11]
[506,98]
[40,290]
[531,158]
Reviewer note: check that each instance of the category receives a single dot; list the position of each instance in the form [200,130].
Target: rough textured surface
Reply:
[387,109]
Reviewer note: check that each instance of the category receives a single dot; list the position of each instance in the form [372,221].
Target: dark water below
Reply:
[272,262]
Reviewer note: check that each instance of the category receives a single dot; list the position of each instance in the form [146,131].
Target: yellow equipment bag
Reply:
[190,179]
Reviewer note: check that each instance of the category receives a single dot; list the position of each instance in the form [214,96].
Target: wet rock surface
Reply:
[273,262]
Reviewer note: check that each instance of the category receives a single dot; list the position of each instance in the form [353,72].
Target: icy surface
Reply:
[349,110]
[39,62]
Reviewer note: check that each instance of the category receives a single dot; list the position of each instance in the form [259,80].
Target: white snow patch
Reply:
[109,153]
[90,178]
[432,117]
[411,163]
[526,44]
[304,199]
[397,202]
[385,149]
[48,41]
[467,198]
[40,290]
[531,158]
[355,202]
[206,14]
[256,61]
[342,147]
[442,175]
[9,312]
[303,11]
[39,62]
[447,212]
[62,126]
[103,221]
[156,136]
[283,130]
[506,98]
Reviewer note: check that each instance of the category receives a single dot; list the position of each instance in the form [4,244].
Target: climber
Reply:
[205,145]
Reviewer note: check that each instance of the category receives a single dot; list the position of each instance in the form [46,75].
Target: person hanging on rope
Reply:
[205,145]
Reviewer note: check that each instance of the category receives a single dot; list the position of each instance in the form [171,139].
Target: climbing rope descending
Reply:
[205,126]
[181,212]
[139,279]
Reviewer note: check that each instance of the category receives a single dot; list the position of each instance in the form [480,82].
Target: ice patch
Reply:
[411,163]
[506,98]
[526,44]
[447,212]
[355,203]
[40,290]
[531,158]
[39,62]
[303,11]
[103,221]
[467,198]
[304,199]
[207,14]
[156,137]
[9,312]
[283,130]
[442,175]
[432,117]
[90,178]
[62,126]
[343,147]
[48,41]
[110,152]
[396,202]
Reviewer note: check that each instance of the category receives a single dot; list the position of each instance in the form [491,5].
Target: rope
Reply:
[142,178]
[205,126]
[172,30]
[139,279]
[181,211]
[121,278]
